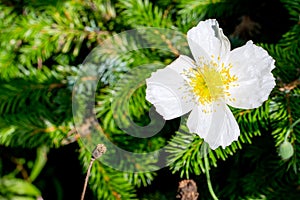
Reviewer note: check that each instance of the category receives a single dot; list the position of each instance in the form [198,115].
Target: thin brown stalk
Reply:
[97,153]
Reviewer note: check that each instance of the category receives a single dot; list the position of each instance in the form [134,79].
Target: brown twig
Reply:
[87,178]
[97,153]
[290,86]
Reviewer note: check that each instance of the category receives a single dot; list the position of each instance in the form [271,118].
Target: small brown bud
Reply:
[99,151]
[187,190]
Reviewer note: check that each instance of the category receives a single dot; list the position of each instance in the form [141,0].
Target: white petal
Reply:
[252,65]
[207,39]
[166,91]
[181,64]
[217,127]
[200,119]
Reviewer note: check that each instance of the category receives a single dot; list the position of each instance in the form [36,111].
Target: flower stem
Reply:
[87,178]
[97,153]
[210,188]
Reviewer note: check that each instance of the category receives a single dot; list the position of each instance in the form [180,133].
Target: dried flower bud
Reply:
[187,190]
[99,151]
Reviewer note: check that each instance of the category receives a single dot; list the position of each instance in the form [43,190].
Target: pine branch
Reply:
[143,13]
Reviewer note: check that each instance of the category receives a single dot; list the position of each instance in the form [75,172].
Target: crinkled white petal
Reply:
[182,64]
[166,91]
[252,65]
[217,127]
[200,120]
[207,39]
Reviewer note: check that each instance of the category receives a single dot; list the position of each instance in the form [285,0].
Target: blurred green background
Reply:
[43,44]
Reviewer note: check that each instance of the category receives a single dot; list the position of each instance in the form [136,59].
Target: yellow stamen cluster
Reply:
[209,81]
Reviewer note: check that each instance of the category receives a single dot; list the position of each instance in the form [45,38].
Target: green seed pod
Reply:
[286,150]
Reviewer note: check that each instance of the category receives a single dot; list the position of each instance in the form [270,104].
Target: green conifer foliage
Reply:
[43,46]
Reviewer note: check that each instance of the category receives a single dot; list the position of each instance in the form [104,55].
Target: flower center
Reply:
[210,83]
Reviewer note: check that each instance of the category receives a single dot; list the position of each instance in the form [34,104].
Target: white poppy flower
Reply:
[241,78]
